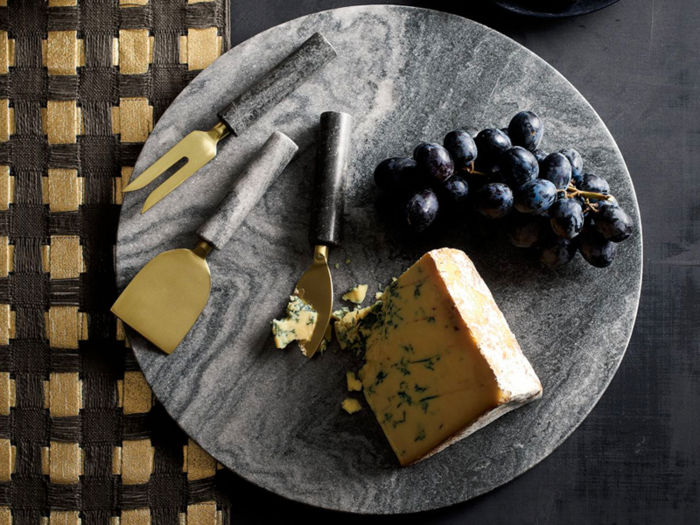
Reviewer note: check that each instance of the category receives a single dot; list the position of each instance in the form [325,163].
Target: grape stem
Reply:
[593,195]
[470,169]
[572,191]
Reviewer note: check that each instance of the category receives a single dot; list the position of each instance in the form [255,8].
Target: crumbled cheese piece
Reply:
[378,296]
[338,314]
[327,337]
[353,327]
[351,405]
[354,384]
[357,294]
[298,325]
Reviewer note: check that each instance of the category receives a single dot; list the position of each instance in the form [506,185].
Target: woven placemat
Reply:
[81,84]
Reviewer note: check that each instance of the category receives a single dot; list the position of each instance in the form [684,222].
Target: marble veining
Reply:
[406,75]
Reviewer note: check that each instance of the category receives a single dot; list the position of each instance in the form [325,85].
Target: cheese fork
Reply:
[166,297]
[199,147]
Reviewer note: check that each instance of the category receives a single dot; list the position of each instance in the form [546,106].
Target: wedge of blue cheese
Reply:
[297,326]
[440,359]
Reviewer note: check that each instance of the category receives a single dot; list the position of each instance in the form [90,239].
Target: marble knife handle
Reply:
[329,201]
[288,75]
[247,190]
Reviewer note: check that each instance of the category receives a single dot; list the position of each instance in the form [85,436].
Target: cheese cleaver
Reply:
[166,297]
[316,284]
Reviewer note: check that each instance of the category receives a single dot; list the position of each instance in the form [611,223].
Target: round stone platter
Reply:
[273,416]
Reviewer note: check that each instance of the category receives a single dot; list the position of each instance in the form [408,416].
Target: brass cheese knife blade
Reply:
[166,297]
[199,147]
[316,284]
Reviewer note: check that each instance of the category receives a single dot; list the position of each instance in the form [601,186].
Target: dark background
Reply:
[636,458]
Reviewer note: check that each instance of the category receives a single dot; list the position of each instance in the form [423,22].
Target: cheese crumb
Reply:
[351,405]
[297,326]
[354,384]
[326,339]
[378,296]
[357,294]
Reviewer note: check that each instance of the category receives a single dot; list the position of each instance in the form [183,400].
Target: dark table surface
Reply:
[636,458]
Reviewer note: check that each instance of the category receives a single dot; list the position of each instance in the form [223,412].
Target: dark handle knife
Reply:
[329,202]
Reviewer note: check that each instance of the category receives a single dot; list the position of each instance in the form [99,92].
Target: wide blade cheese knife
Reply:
[166,297]
[316,284]
[199,147]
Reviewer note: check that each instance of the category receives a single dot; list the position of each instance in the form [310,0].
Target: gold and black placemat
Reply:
[81,84]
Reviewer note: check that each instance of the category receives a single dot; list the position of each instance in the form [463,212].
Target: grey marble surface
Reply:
[247,189]
[272,416]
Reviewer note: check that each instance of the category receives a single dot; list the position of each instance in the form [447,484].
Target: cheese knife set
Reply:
[167,296]
[393,375]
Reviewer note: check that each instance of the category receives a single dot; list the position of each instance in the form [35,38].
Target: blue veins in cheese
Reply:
[440,359]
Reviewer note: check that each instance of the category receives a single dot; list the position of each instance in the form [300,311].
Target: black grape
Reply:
[556,168]
[566,217]
[539,155]
[612,222]
[434,162]
[489,144]
[594,183]
[535,197]
[526,129]
[462,149]
[576,162]
[455,191]
[422,209]
[494,200]
[596,249]
[518,166]
[396,175]
[555,251]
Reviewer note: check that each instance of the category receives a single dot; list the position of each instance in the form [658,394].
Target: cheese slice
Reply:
[440,359]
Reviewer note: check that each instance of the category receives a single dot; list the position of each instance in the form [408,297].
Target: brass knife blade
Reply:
[316,288]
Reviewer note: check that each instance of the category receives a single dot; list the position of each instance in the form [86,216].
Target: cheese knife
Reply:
[199,147]
[316,284]
[166,297]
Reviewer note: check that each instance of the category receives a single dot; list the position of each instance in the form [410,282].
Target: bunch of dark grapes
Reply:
[546,200]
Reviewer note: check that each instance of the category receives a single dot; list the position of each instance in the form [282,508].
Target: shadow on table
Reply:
[250,17]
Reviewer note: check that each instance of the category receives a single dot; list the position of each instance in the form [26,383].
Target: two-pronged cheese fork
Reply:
[199,147]
[166,297]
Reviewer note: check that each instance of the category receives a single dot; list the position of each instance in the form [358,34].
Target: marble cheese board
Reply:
[272,416]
